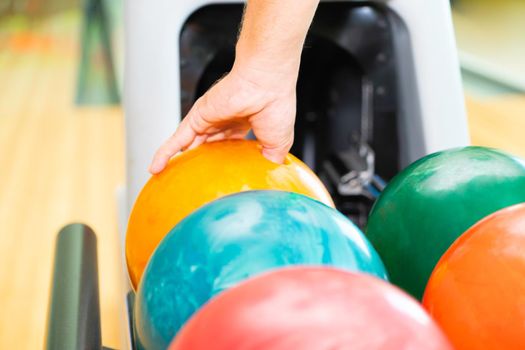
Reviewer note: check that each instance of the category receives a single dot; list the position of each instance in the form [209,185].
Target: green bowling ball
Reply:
[433,201]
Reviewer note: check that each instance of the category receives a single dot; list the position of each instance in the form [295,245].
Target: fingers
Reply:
[217,137]
[191,133]
[186,138]
[199,140]
[230,134]
[209,111]
[200,115]
[276,141]
[225,113]
[276,154]
[275,132]
[183,137]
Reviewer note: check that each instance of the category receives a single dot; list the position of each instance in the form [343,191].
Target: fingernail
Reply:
[274,158]
[155,168]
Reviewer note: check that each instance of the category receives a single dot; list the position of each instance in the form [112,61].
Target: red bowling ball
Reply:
[311,308]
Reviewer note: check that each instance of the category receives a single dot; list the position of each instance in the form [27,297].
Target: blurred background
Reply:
[62,145]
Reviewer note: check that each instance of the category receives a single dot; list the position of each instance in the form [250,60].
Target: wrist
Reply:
[265,78]
[278,73]
[274,59]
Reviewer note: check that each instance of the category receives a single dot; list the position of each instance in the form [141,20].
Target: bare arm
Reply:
[273,34]
[259,92]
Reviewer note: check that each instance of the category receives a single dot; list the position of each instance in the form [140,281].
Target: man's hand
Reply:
[259,92]
[239,102]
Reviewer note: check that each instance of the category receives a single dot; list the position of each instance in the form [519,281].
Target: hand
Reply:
[246,98]
[259,92]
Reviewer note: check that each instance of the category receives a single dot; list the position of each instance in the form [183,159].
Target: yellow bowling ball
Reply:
[199,176]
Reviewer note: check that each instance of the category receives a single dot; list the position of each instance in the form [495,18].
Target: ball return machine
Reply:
[379,87]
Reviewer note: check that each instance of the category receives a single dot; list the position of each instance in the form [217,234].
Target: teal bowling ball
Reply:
[232,239]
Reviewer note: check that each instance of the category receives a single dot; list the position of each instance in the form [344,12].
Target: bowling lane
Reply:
[498,122]
[58,164]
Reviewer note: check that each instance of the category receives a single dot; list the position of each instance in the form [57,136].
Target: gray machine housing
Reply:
[379,87]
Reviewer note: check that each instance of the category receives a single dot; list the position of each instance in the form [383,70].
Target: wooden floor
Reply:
[60,163]
[490,36]
[498,122]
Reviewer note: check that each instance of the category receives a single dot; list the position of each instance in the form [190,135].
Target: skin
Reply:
[259,93]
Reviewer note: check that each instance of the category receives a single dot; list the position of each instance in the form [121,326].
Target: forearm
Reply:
[273,34]
[259,92]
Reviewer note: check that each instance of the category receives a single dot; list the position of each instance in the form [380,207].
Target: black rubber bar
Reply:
[74,311]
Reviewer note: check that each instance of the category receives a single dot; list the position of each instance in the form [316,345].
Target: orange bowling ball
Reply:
[477,290]
[199,176]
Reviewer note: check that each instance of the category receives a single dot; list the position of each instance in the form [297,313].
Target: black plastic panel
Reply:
[347,75]
[74,310]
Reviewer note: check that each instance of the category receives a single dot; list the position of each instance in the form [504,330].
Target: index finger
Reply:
[181,139]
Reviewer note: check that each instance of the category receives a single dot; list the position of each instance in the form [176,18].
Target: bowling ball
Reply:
[235,238]
[477,291]
[311,308]
[199,176]
[433,201]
